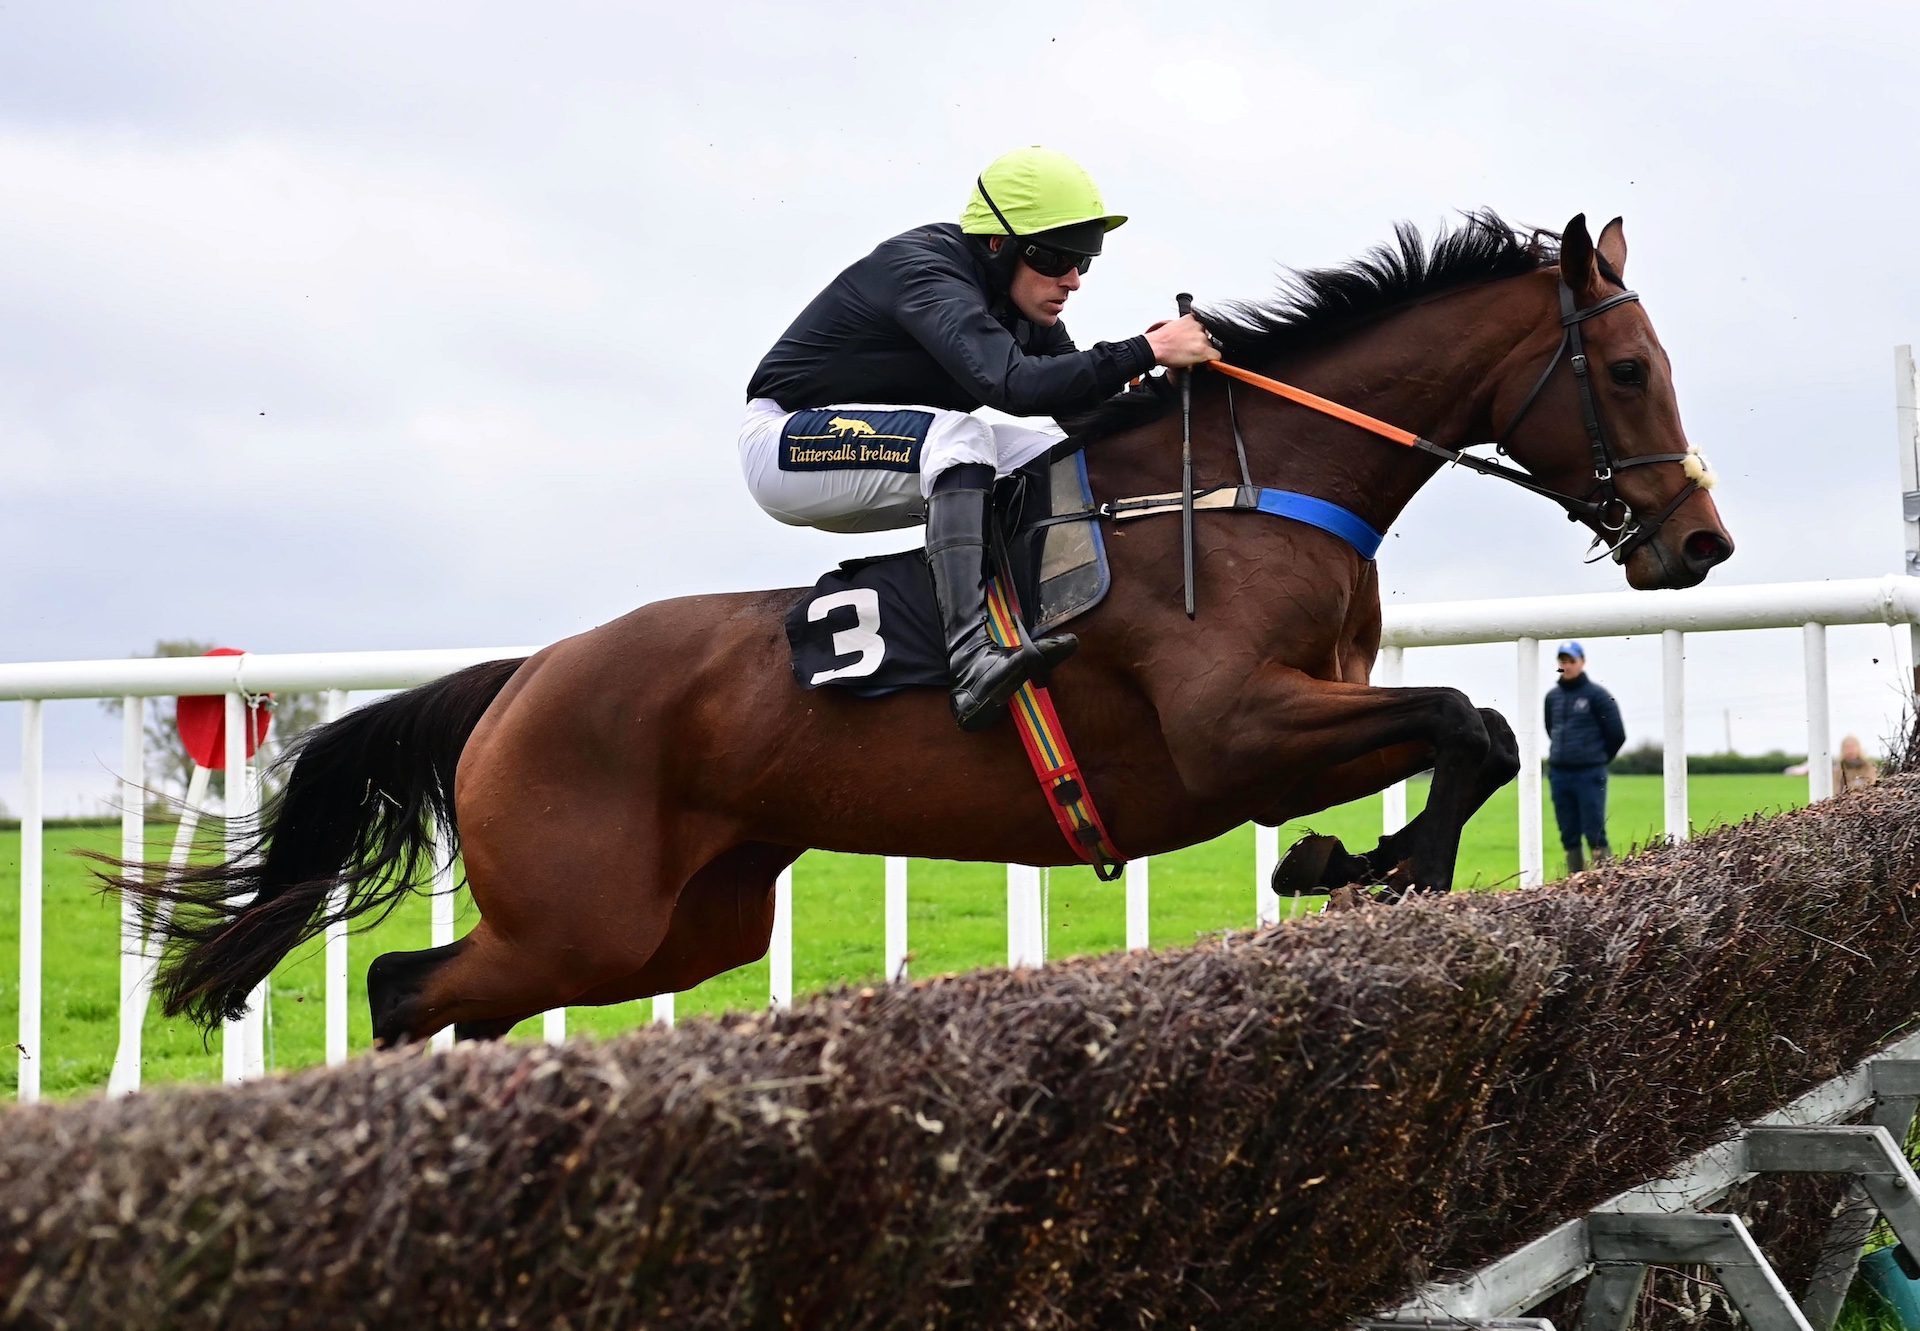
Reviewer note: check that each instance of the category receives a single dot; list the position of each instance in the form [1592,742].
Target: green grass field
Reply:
[957,921]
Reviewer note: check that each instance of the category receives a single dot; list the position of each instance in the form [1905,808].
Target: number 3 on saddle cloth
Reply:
[870,626]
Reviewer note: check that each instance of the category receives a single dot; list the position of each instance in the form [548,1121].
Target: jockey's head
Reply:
[1038,217]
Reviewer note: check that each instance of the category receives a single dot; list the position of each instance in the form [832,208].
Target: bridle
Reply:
[1602,505]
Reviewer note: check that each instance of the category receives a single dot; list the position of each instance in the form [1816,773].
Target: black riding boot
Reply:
[984,676]
[1576,861]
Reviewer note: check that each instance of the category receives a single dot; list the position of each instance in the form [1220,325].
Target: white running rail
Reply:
[1524,622]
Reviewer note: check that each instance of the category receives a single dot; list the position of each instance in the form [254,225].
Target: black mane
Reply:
[1316,305]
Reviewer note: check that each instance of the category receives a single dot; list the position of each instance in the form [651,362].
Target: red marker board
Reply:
[203,723]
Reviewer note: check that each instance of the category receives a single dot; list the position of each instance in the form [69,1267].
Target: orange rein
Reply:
[1317,403]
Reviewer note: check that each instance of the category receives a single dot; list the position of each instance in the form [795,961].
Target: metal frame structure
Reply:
[1669,1222]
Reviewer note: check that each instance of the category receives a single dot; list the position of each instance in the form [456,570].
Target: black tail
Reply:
[357,812]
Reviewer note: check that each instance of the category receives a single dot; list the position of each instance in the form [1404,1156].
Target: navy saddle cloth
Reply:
[871,626]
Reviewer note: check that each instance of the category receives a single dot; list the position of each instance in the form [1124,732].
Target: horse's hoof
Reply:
[1346,898]
[1398,884]
[1302,870]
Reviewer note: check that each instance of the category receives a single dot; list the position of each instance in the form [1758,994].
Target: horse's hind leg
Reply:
[394,981]
[487,983]
[582,914]
[567,904]
[405,990]
[484,1030]
[722,920]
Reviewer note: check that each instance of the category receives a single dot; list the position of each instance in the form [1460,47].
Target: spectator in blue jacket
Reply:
[1583,732]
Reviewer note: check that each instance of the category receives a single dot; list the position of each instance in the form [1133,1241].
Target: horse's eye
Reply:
[1628,372]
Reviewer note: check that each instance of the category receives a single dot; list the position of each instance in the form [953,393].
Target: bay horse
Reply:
[625,798]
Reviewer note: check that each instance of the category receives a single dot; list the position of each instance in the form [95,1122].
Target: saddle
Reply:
[870,626]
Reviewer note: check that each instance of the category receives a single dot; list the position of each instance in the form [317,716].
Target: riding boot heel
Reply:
[990,675]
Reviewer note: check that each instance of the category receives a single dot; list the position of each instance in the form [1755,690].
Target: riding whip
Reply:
[1184,303]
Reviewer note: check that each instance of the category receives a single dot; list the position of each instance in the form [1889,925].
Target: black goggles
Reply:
[1050,262]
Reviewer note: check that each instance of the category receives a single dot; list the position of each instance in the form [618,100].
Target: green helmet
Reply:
[1032,190]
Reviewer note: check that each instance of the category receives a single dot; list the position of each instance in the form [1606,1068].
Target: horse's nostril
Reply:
[1706,548]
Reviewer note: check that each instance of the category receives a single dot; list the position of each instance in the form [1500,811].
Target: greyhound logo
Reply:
[846,425]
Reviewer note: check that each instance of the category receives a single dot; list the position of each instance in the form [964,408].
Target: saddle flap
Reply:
[871,627]
[1074,576]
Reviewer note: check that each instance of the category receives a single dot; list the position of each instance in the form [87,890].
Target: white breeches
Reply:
[858,467]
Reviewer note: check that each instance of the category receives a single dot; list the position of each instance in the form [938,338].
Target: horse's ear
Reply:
[1576,257]
[1612,247]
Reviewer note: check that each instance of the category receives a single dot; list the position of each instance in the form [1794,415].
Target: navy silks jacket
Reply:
[920,322]
[1583,724]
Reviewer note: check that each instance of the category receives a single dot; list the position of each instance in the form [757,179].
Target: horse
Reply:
[625,798]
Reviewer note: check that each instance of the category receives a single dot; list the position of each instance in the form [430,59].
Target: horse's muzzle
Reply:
[1705,548]
[1660,565]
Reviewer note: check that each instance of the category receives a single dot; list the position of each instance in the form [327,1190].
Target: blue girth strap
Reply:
[1344,523]
[1324,514]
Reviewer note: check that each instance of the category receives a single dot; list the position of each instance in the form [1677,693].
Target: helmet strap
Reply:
[1000,266]
[980,183]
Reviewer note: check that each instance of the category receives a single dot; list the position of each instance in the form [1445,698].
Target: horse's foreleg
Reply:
[1346,782]
[1284,721]
[1461,750]
[1318,863]
[1501,765]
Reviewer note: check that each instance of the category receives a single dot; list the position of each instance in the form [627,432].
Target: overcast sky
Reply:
[391,325]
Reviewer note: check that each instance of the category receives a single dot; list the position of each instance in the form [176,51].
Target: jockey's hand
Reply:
[1178,343]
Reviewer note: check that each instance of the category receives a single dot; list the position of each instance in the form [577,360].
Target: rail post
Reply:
[1139,889]
[242,1039]
[1819,723]
[1673,738]
[440,929]
[1389,672]
[1533,860]
[780,954]
[1266,857]
[1906,420]
[336,955]
[32,826]
[896,924]
[1026,938]
[125,1077]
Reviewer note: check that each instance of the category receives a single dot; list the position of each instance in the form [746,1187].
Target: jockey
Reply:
[859,418]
